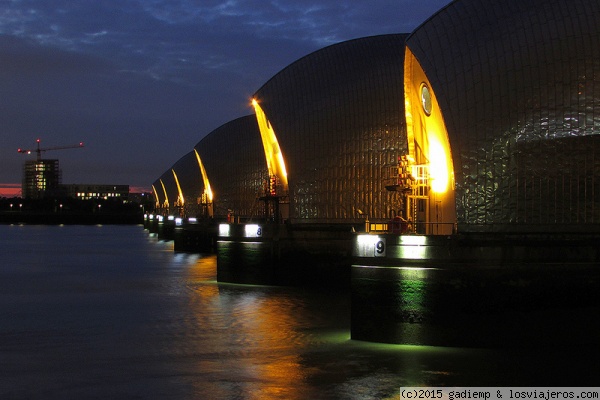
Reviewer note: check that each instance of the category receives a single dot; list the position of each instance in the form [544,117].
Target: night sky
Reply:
[140,82]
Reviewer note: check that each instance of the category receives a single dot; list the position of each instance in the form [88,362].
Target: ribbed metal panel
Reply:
[518,82]
[235,165]
[190,179]
[168,180]
[338,114]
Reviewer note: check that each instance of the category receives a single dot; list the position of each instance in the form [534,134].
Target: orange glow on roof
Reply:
[207,189]
[275,161]
[156,196]
[427,137]
[181,200]
[166,203]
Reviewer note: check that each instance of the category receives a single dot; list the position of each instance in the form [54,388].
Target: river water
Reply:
[103,312]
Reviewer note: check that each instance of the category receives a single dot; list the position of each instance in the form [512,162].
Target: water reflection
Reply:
[122,316]
[257,333]
[283,343]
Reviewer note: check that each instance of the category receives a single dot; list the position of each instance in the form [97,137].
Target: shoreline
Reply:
[49,218]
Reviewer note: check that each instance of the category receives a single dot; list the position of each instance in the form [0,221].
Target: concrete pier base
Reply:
[160,227]
[166,230]
[195,238]
[273,254]
[476,293]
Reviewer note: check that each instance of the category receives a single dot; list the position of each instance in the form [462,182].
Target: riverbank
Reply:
[44,218]
[69,211]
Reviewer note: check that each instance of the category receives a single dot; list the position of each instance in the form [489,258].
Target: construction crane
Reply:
[39,150]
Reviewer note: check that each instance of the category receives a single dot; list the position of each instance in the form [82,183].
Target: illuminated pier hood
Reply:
[275,162]
[431,203]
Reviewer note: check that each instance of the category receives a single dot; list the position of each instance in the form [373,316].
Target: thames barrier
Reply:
[447,176]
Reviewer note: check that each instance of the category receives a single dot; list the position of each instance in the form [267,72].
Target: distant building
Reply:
[96,192]
[41,178]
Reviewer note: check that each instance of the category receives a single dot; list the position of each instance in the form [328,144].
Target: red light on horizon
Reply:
[10,189]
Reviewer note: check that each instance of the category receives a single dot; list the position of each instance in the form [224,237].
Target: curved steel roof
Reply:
[518,82]
[338,114]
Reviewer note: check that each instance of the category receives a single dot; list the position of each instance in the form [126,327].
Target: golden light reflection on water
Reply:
[263,332]
[157,325]
[261,342]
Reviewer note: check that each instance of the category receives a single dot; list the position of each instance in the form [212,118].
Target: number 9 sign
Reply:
[371,246]
[380,247]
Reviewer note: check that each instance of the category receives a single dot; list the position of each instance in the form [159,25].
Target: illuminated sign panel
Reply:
[224,230]
[371,246]
[253,230]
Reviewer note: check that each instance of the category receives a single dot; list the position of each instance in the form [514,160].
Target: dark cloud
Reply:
[142,81]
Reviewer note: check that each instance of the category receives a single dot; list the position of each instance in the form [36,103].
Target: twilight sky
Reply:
[140,82]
